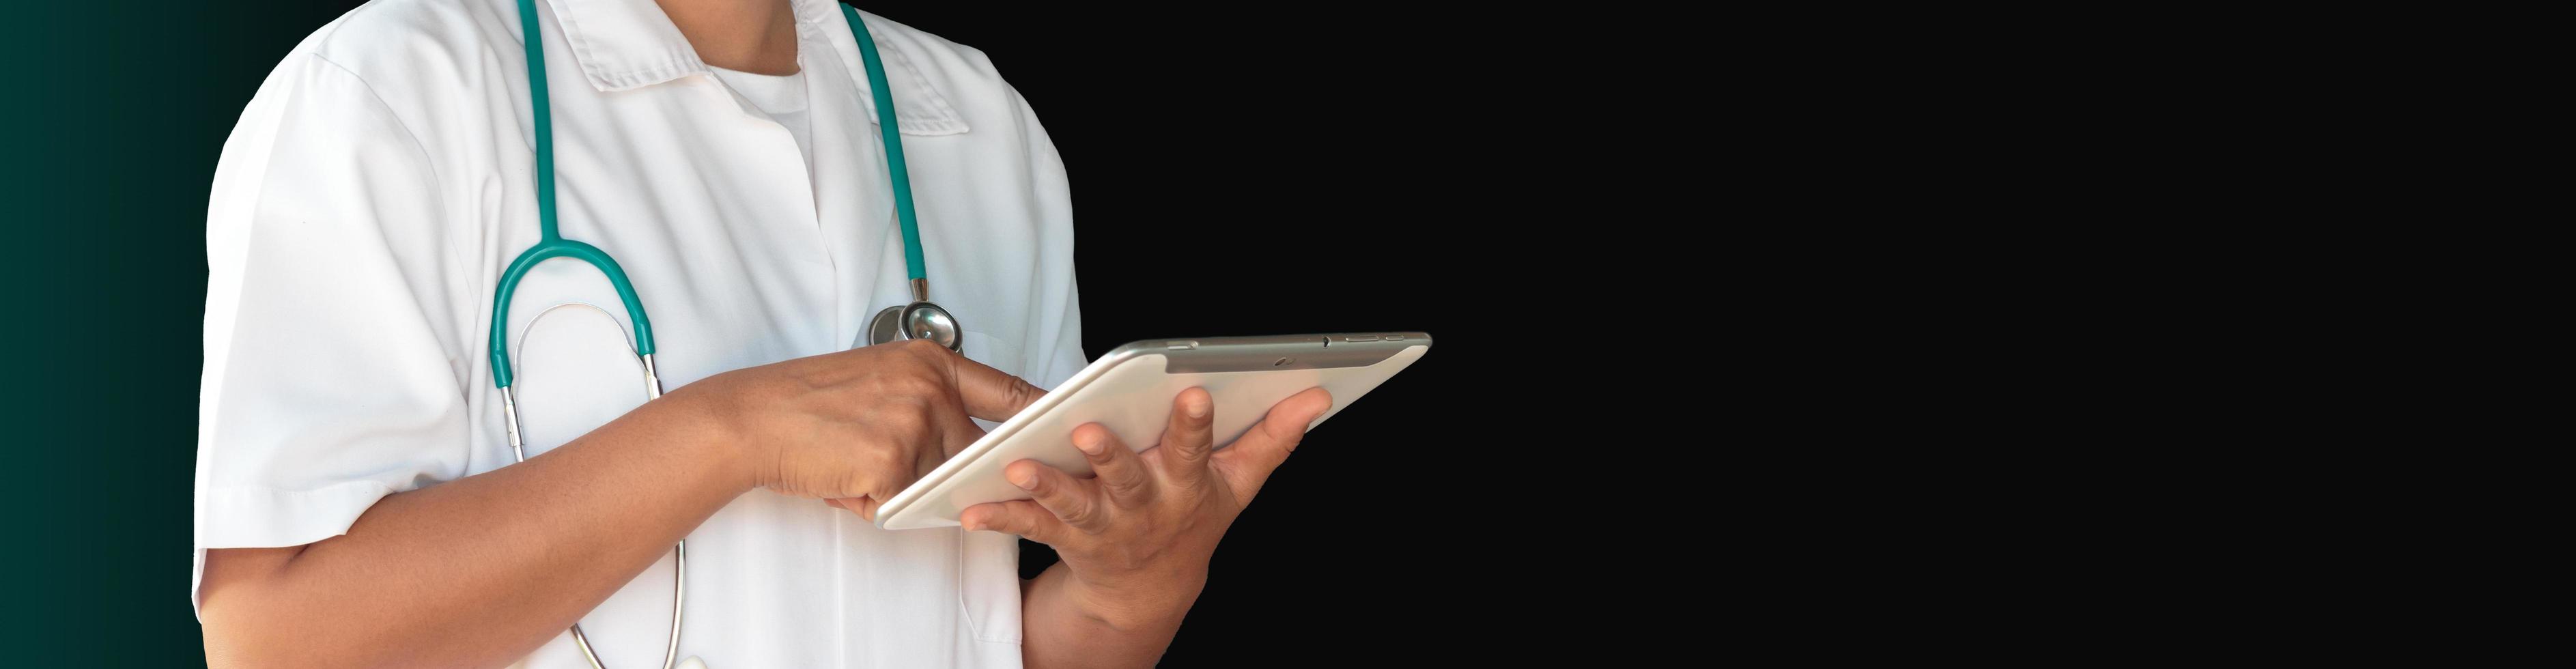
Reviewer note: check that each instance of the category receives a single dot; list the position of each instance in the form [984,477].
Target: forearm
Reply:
[484,569]
[1061,628]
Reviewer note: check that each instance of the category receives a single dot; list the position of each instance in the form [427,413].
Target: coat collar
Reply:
[628,44]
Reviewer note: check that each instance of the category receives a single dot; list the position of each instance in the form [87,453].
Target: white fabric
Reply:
[779,97]
[378,183]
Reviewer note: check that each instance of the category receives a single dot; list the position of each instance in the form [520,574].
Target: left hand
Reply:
[1136,536]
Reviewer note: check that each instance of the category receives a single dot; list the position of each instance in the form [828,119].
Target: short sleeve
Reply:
[1066,357]
[1058,342]
[332,368]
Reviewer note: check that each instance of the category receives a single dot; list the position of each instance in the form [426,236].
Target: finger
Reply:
[960,433]
[878,493]
[1188,434]
[1020,517]
[855,505]
[1072,500]
[1117,469]
[988,393]
[1250,460]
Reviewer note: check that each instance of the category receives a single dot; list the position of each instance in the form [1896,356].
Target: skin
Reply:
[482,570]
[1135,537]
[756,36]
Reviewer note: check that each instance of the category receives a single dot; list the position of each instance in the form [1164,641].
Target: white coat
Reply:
[381,179]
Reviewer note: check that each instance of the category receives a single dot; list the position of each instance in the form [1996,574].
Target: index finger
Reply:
[988,393]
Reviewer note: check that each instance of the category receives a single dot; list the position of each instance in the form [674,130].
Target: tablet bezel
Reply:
[1181,355]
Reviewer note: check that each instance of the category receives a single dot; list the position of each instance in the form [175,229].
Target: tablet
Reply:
[1130,391]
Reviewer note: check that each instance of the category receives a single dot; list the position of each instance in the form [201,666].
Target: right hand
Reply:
[857,426]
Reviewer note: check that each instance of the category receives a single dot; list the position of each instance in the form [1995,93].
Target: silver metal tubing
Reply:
[679,551]
[510,422]
[652,379]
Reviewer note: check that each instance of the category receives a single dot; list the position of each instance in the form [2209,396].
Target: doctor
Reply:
[358,501]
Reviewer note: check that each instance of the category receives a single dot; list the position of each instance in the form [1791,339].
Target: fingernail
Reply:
[1027,480]
[1089,443]
[1199,409]
[973,526]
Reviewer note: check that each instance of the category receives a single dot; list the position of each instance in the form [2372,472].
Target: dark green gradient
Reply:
[115,116]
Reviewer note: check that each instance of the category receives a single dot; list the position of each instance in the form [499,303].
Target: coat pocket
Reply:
[988,563]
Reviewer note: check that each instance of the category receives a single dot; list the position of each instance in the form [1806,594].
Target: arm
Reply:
[1057,630]
[333,366]
[484,569]
[480,570]
[1136,537]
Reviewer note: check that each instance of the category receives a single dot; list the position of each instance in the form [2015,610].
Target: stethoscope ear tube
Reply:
[884,96]
[679,596]
[551,245]
[548,249]
[918,320]
[679,550]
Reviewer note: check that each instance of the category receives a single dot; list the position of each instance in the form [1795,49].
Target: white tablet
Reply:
[1130,391]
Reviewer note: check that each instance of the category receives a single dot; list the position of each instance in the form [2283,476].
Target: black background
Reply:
[1236,170]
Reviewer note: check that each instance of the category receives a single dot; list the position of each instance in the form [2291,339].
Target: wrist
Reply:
[1139,601]
[705,421]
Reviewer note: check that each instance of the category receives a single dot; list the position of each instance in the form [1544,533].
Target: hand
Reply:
[1136,536]
[855,427]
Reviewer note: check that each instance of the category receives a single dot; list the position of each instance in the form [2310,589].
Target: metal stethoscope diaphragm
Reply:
[918,320]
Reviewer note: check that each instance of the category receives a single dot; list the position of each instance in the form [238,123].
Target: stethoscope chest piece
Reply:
[918,320]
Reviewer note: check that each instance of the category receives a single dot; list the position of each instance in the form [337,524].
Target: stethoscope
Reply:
[917,320]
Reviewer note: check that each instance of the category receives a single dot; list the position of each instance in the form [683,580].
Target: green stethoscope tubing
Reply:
[884,95]
[551,244]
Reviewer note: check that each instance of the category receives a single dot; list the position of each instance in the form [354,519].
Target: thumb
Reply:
[990,394]
[1250,460]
